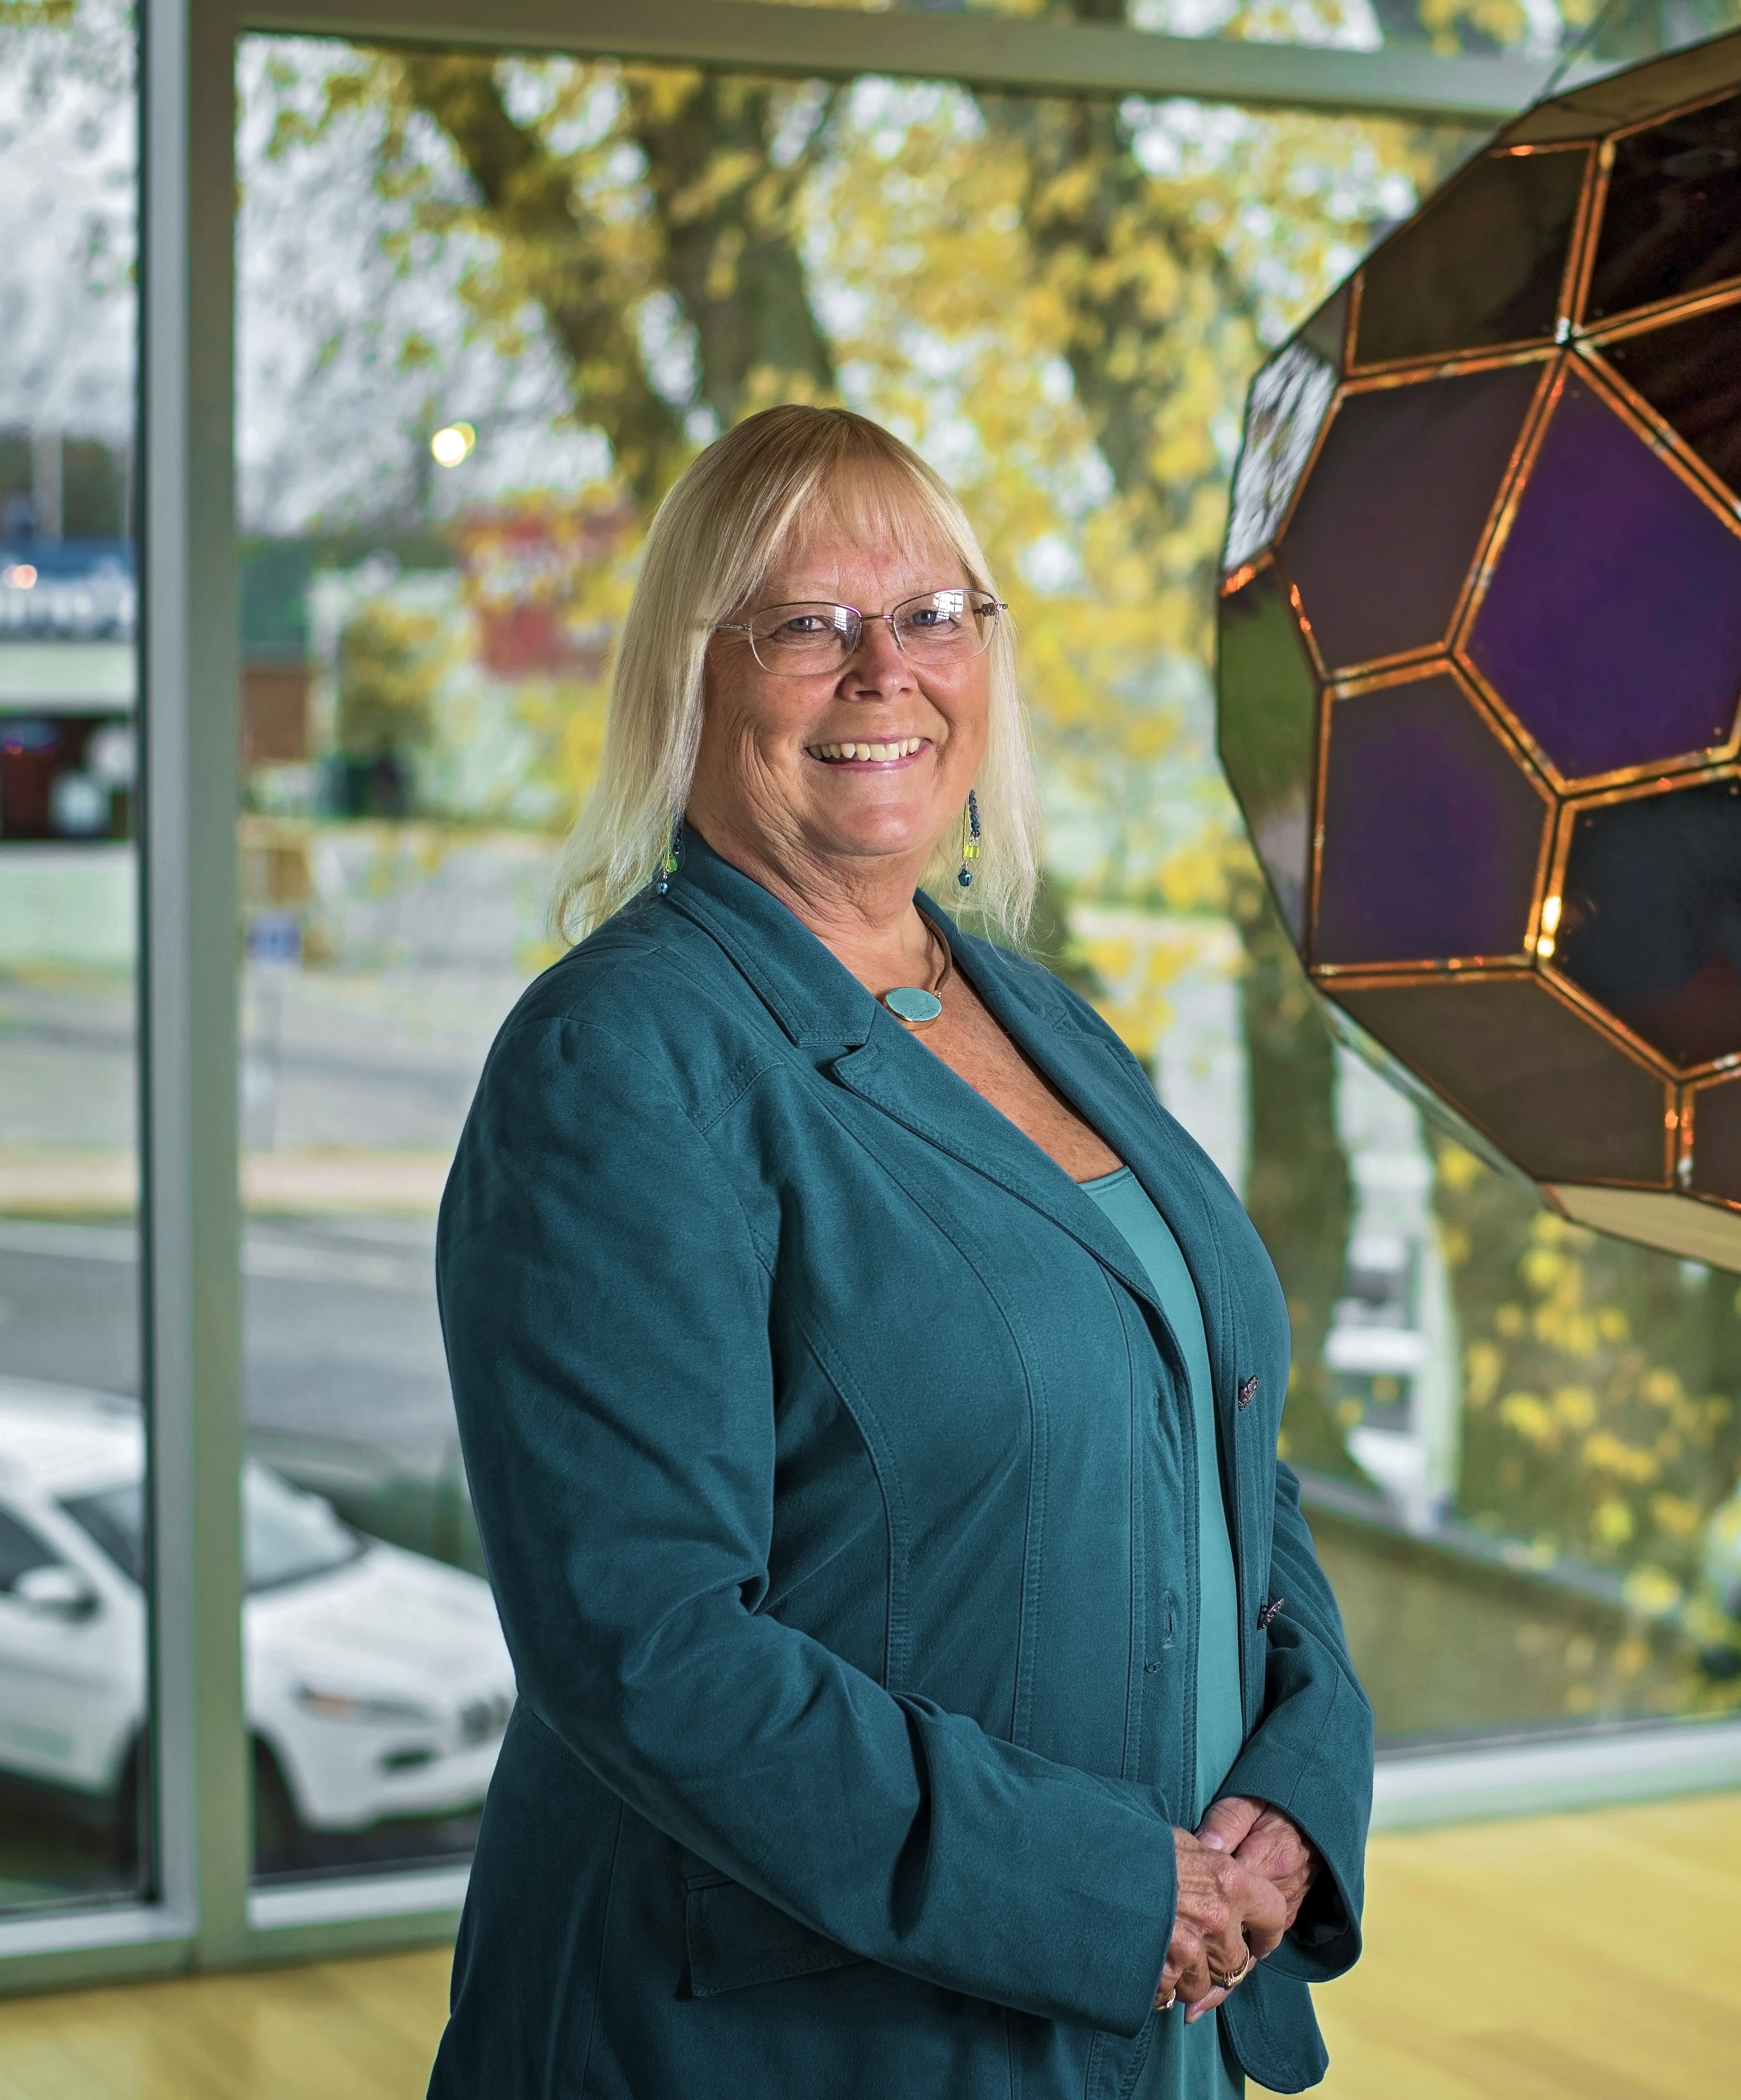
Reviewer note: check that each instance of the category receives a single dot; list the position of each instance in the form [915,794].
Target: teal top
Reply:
[1198,2071]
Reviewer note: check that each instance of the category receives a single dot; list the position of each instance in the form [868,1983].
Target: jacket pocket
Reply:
[735,1940]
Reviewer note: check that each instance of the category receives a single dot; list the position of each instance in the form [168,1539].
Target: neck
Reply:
[860,908]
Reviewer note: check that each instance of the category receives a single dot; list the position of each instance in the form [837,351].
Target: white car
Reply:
[378,1681]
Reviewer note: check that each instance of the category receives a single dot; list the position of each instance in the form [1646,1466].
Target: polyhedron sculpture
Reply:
[1480,649]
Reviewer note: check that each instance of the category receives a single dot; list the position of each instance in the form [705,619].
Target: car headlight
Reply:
[347,1706]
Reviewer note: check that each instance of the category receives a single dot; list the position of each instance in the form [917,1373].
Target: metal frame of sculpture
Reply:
[1480,650]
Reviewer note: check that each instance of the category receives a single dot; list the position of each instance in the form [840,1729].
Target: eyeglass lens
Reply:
[933,628]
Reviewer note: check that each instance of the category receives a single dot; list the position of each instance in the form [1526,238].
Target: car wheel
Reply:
[281,1843]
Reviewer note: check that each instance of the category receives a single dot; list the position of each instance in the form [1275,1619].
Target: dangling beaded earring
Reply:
[970,842]
[674,856]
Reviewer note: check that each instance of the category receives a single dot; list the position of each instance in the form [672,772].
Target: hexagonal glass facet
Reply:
[1390,521]
[1432,831]
[1717,1139]
[1268,718]
[1481,265]
[1689,371]
[1612,626]
[1650,923]
[1671,224]
[1553,1092]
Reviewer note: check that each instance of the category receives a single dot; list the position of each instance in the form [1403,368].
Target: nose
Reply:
[876,667]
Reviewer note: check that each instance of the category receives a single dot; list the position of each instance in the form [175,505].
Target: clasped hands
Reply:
[1242,1879]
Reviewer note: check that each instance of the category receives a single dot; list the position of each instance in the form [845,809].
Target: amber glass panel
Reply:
[1289,399]
[1432,831]
[1717,1139]
[1612,627]
[1561,1100]
[1267,717]
[1633,32]
[1692,372]
[1652,922]
[1481,265]
[1672,220]
[1391,518]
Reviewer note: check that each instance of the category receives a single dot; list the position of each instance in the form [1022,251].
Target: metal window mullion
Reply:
[192,1212]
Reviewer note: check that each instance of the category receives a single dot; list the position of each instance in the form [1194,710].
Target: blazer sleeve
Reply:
[605,1309]
[1310,1754]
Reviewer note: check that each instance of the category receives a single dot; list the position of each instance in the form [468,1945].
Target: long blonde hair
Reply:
[728,519]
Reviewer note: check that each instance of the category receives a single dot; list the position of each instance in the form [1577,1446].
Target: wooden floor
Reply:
[1595,1957]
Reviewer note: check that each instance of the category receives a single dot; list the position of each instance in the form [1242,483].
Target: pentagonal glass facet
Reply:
[1672,223]
[1267,734]
[1691,372]
[1388,526]
[1650,923]
[1641,91]
[1432,831]
[1612,626]
[1565,1102]
[1289,399]
[1482,264]
[1717,1140]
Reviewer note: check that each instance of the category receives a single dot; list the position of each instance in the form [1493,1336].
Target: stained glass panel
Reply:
[1562,1100]
[1691,372]
[1651,924]
[1482,265]
[1612,626]
[1717,1140]
[1289,399]
[1389,525]
[1267,738]
[1432,831]
[1672,223]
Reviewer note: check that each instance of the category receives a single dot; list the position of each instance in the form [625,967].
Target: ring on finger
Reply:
[1228,1982]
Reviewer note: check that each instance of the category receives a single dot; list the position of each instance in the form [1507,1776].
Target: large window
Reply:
[72,1607]
[486,308]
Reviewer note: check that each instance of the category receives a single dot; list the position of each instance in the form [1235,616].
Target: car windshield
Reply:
[291,1535]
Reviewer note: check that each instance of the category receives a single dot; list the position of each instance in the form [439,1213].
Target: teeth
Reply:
[881,754]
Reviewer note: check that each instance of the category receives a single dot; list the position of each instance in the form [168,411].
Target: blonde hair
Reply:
[728,519]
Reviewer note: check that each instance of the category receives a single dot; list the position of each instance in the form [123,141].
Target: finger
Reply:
[1225,1827]
[1194,2013]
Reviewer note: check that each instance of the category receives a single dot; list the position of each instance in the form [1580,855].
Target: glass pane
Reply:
[1612,626]
[73,1688]
[1672,220]
[1432,831]
[1286,409]
[1652,922]
[1560,1098]
[1268,733]
[1691,372]
[1387,528]
[462,400]
[1635,60]
[1483,266]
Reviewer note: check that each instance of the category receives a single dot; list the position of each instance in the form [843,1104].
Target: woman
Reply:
[870,1397]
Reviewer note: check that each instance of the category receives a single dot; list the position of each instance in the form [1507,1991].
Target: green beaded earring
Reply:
[674,856]
[969,841]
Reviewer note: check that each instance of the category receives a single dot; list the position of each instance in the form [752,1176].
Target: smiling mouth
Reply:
[870,754]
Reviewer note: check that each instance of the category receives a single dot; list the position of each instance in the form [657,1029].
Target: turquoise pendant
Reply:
[913,1005]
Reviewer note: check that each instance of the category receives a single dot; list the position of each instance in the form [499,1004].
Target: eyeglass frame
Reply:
[988,611]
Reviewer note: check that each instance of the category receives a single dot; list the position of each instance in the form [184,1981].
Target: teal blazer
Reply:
[834,1464]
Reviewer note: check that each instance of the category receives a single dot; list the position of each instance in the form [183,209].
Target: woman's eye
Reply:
[801,628]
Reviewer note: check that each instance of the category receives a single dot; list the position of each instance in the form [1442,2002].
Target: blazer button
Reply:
[1247,1393]
[1266,1617]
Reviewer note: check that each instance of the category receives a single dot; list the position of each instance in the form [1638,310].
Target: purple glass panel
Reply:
[1612,626]
[1690,371]
[1431,831]
[1391,518]
[1482,264]
[1266,725]
[1717,1139]
[1651,921]
[1289,399]
[1672,219]
[1556,1097]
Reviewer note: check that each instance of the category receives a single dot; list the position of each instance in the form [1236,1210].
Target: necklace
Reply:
[914,1007]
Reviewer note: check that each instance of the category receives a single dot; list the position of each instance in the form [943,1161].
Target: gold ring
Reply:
[1228,1982]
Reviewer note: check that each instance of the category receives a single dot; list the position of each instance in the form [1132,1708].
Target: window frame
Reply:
[203,1913]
